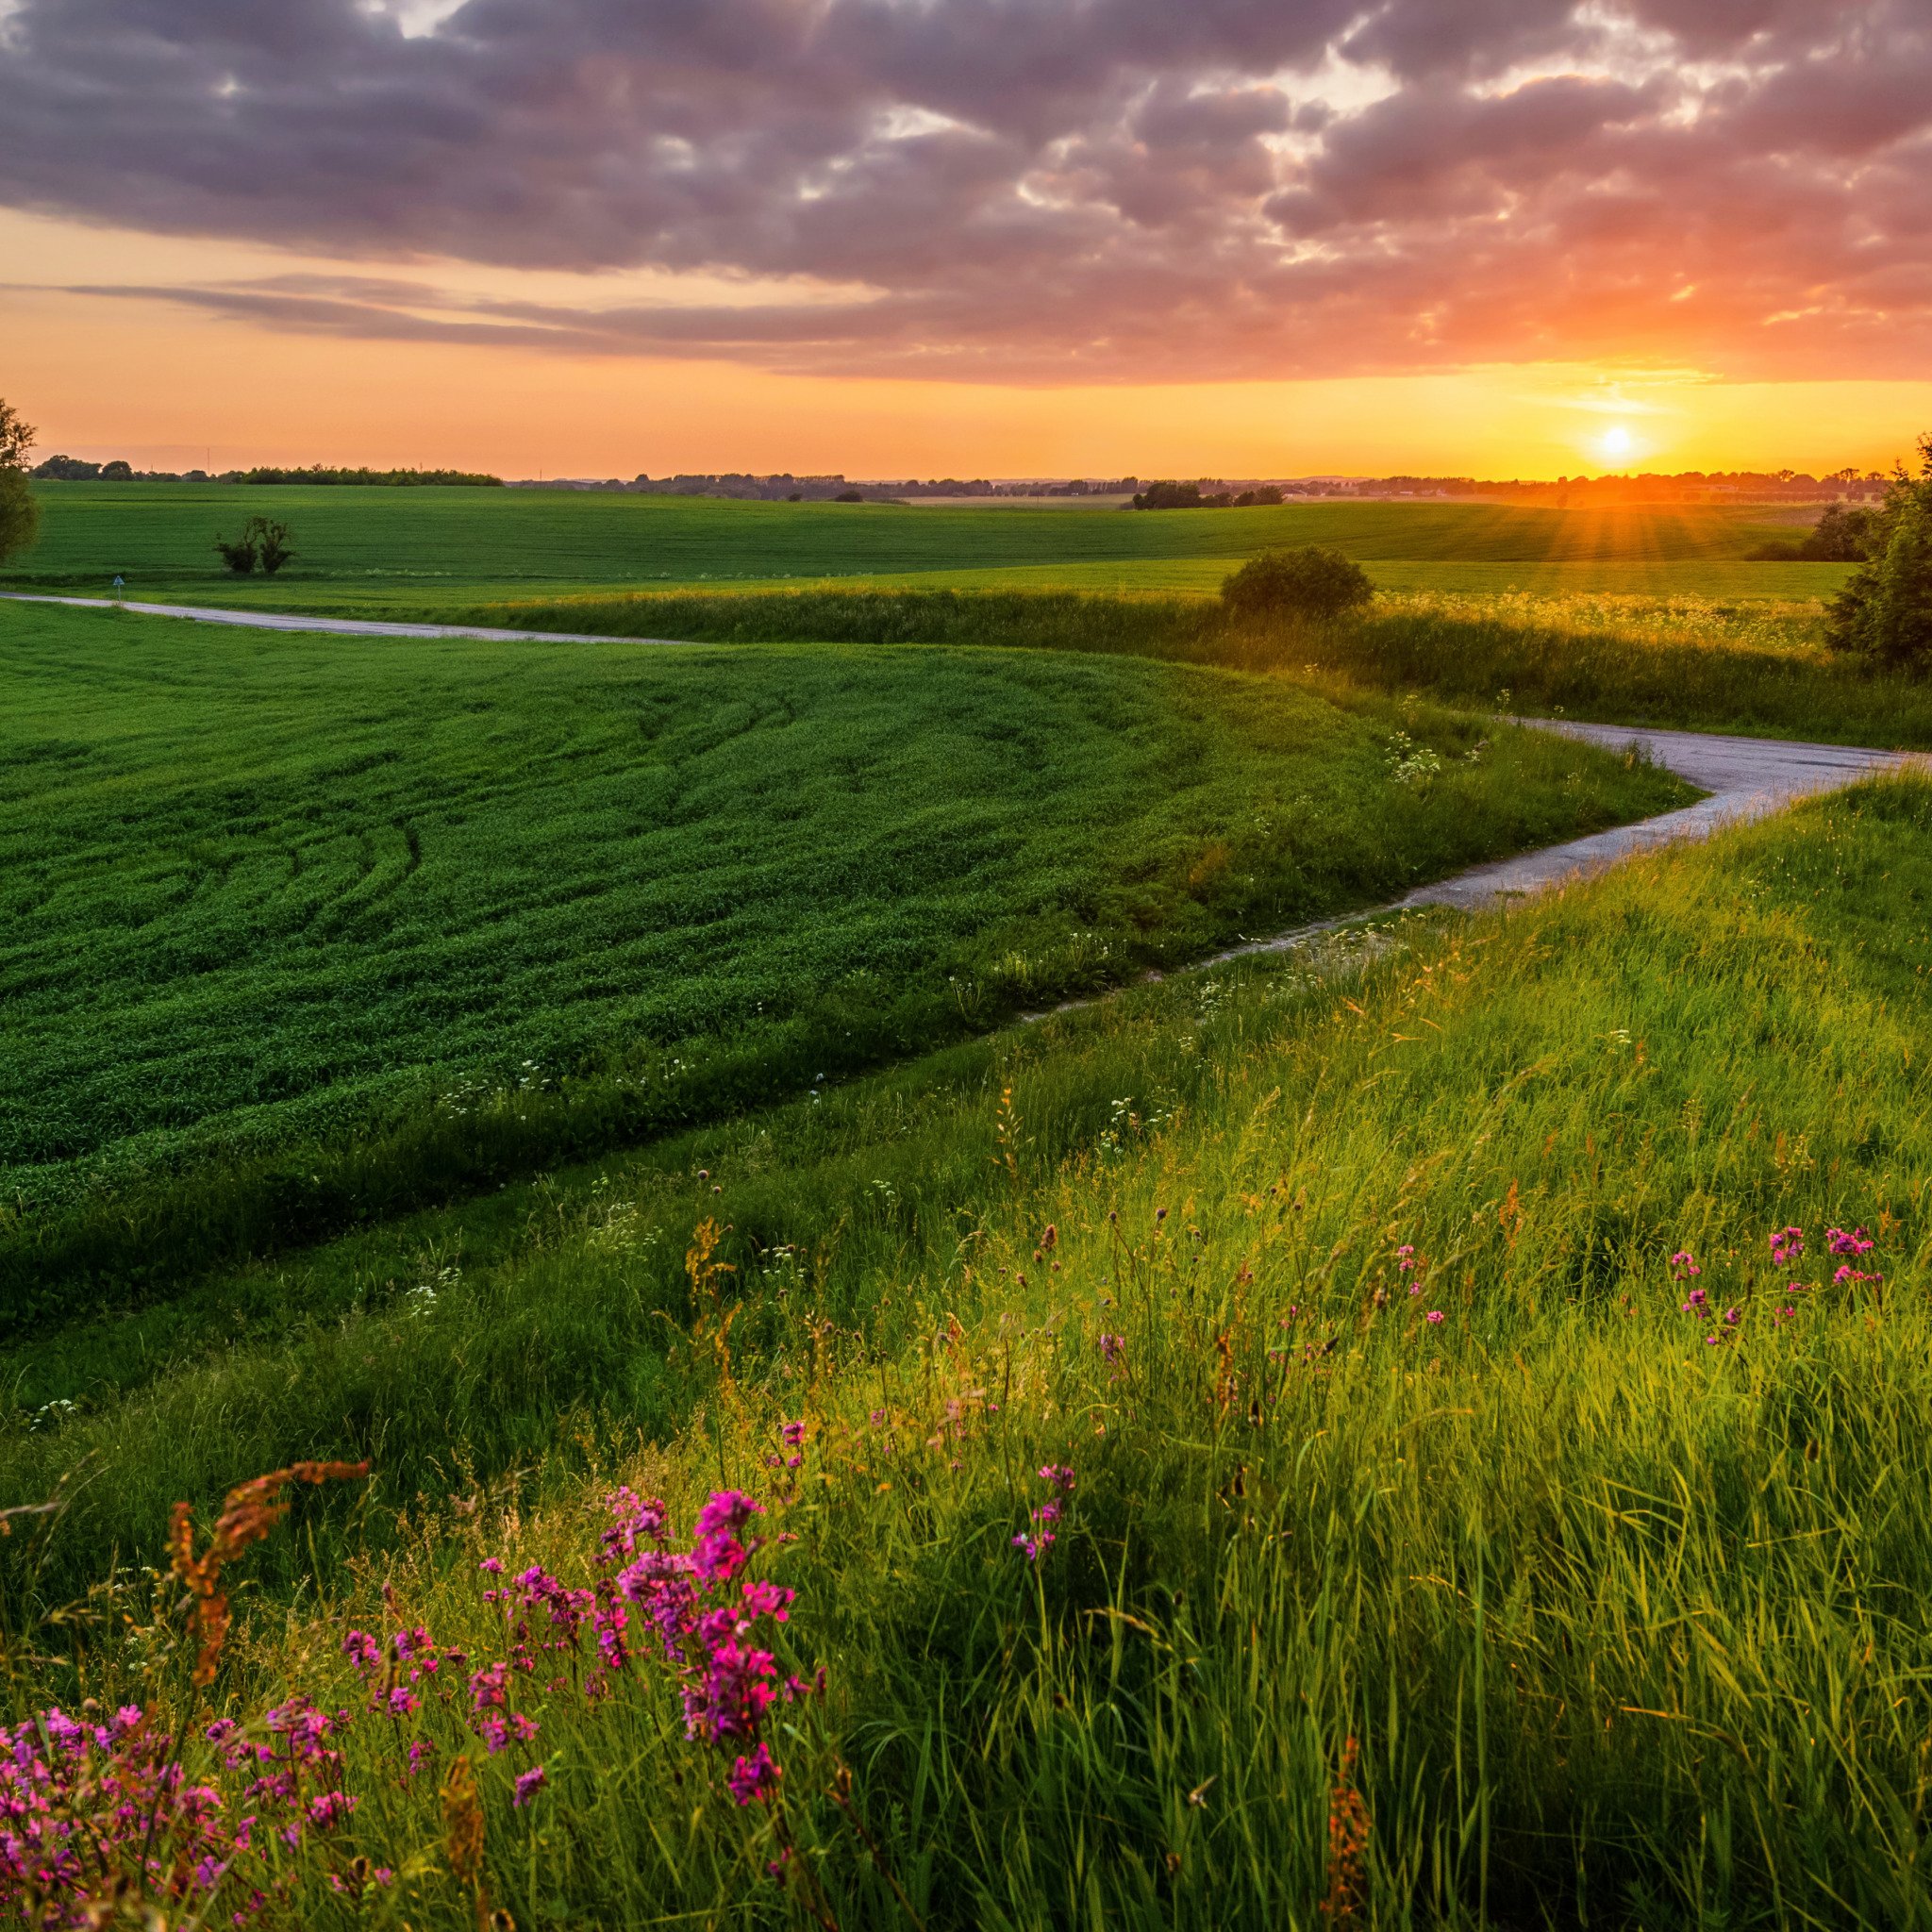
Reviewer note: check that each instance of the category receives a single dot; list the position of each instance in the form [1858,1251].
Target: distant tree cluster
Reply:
[1684,486]
[19,515]
[1204,495]
[783,487]
[1884,613]
[74,470]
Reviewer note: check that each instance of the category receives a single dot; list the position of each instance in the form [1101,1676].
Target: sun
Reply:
[1618,441]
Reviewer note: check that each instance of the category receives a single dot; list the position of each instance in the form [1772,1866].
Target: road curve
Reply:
[339,627]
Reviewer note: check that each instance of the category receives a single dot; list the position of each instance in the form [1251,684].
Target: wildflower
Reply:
[1732,1317]
[754,1777]
[1786,1245]
[1113,1351]
[1683,1266]
[768,1600]
[877,1419]
[1061,1478]
[330,1809]
[403,1702]
[1852,1244]
[528,1783]
[794,1434]
[1434,1317]
[1694,1303]
[492,1566]
[361,1649]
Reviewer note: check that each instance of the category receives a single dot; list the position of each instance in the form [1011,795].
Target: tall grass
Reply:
[1693,662]
[1589,1607]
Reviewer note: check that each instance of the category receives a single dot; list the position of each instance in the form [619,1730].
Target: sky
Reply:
[1000,238]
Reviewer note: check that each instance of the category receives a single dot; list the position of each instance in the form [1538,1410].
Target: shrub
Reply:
[262,541]
[1296,583]
[272,541]
[1884,613]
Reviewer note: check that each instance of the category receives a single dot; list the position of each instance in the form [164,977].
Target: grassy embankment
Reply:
[1688,662]
[1623,1606]
[380,551]
[302,931]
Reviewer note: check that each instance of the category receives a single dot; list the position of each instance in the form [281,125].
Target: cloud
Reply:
[1028,190]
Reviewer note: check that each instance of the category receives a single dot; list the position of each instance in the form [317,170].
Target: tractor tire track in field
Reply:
[1745,778]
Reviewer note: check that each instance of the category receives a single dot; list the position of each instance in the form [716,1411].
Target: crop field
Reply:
[269,892]
[376,549]
[1456,1399]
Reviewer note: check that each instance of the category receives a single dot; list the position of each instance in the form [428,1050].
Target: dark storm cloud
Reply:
[1030,189]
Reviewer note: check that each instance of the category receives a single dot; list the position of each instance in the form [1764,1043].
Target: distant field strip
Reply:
[381,545]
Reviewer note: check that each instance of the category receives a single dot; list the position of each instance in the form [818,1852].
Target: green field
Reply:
[1343,1438]
[270,892]
[1595,1609]
[375,549]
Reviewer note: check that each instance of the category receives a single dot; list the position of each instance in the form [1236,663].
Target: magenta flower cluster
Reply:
[90,1805]
[1047,1518]
[704,1615]
[86,1805]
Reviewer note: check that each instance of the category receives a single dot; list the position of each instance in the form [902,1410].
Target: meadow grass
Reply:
[300,930]
[371,548]
[1600,1600]
[1752,666]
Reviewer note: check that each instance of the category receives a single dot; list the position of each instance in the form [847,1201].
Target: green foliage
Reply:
[1625,1623]
[1884,613]
[16,437]
[1308,583]
[20,513]
[263,541]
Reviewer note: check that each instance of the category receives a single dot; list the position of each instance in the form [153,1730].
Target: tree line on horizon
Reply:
[62,469]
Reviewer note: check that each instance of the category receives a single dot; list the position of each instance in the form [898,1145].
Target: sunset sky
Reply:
[975,237]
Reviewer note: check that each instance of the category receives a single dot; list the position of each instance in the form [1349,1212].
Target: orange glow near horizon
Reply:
[170,388]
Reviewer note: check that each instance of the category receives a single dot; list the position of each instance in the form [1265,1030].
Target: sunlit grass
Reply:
[1627,1624]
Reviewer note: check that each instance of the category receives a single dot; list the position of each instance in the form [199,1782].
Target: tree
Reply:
[1296,583]
[16,438]
[1884,613]
[1838,536]
[20,513]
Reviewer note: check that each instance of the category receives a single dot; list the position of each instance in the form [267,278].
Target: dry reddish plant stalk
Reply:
[462,1826]
[1348,1838]
[252,1510]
